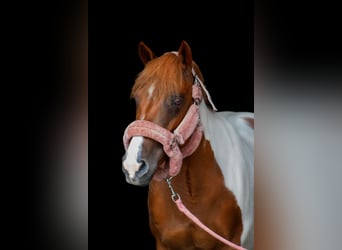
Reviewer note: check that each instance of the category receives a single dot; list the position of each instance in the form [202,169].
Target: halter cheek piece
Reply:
[198,81]
[190,129]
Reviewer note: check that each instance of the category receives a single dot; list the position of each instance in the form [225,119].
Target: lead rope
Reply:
[176,199]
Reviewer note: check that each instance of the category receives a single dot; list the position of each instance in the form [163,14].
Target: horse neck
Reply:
[199,171]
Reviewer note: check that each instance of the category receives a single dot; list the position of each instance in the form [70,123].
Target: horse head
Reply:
[163,94]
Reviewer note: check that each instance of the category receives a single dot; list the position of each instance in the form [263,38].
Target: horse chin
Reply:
[162,172]
[139,182]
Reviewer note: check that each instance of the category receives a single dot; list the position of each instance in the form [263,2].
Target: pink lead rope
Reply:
[183,209]
[176,198]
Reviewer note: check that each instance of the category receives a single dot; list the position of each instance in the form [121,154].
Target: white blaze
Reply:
[150,91]
[130,163]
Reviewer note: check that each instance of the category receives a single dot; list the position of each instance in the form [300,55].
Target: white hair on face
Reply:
[131,163]
[150,91]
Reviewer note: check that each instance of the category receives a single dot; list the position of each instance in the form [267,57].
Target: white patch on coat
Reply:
[232,141]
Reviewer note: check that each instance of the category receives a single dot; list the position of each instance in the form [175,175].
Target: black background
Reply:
[221,39]
[300,37]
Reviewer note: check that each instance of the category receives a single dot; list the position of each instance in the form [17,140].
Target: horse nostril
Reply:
[142,170]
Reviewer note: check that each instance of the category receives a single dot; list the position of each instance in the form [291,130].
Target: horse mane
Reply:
[163,70]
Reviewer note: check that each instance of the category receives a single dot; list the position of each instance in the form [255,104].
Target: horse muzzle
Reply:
[136,172]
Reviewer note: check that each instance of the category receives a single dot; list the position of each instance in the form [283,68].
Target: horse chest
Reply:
[179,233]
[173,230]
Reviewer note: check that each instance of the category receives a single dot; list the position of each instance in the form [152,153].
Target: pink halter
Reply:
[189,128]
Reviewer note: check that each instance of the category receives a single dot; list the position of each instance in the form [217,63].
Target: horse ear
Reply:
[185,51]
[145,53]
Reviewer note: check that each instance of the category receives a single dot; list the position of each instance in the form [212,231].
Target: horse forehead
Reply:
[156,87]
[161,78]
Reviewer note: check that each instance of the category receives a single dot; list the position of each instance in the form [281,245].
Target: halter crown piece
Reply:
[190,129]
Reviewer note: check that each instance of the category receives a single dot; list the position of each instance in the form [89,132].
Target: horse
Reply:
[197,162]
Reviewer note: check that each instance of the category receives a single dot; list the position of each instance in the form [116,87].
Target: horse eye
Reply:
[174,104]
[177,101]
